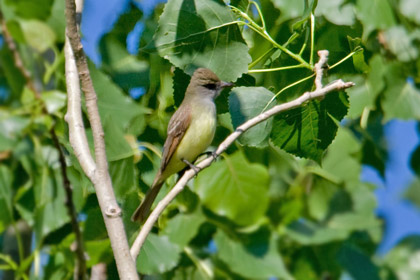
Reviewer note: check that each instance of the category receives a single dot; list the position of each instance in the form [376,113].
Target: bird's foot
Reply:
[192,166]
[210,154]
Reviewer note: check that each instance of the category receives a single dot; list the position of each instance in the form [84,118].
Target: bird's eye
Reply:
[210,86]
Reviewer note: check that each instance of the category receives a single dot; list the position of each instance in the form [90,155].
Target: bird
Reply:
[190,131]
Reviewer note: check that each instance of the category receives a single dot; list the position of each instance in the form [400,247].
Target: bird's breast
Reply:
[200,132]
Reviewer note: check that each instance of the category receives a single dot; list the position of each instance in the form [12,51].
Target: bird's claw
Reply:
[192,166]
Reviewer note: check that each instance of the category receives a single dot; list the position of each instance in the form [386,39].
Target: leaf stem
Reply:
[263,33]
[345,58]
[201,265]
[276,69]
[259,13]
[311,58]
[255,62]
[285,88]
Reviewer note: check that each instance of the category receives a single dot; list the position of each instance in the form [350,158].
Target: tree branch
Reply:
[80,271]
[189,174]
[98,174]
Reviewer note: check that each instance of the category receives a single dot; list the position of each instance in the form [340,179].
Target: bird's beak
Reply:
[226,84]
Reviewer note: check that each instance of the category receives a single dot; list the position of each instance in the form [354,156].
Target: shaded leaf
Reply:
[6,214]
[233,186]
[308,130]
[31,9]
[112,101]
[309,233]
[357,263]
[247,264]
[246,103]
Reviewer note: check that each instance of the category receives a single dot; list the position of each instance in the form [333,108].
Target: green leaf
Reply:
[123,176]
[6,214]
[336,11]
[195,34]
[233,186]
[112,101]
[415,160]
[31,9]
[374,14]
[183,227]
[319,200]
[402,259]
[158,255]
[57,21]
[289,9]
[246,264]
[14,78]
[180,84]
[410,8]
[401,98]
[38,34]
[309,233]
[308,130]
[246,103]
[400,43]
[342,157]
[412,193]
[357,263]
[125,69]
[54,100]
[98,251]
[117,146]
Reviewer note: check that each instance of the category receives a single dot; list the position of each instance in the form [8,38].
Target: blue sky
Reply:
[402,217]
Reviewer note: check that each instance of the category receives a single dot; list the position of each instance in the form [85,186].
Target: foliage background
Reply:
[309,221]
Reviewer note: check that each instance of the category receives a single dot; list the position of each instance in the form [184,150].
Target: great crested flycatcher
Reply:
[190,131]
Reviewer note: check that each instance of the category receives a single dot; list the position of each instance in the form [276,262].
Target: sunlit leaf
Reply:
[195,34]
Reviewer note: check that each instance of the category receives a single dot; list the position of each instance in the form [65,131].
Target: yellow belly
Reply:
[197,138]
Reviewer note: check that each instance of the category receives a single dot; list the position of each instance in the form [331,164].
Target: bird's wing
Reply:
[177,127]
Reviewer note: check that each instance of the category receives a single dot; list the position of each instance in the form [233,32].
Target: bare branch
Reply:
[99,176]
[189,174]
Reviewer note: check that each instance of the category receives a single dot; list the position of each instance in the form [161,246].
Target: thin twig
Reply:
[79,250]
[189,174]
[99,176]
[319,68]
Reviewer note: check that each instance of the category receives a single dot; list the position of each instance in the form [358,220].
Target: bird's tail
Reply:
[142,212]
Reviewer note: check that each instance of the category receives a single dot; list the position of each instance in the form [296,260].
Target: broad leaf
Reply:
[183,227]
[158,255]
[232,187]
[195,34]
[38,34]
[309,233]
[374,14]
[247,264]
[112,101]
[246,103]
[308,130]
[401,98]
